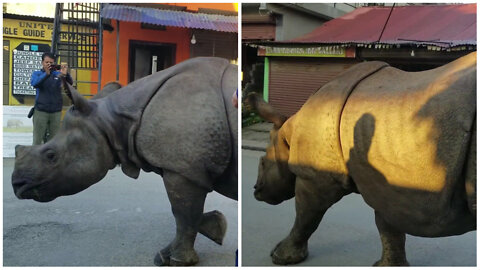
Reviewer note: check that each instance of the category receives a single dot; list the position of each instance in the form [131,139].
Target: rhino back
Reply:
[314,130]
[184,127]
[405,138]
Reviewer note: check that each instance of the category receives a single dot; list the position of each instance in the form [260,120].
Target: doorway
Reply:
[147,57]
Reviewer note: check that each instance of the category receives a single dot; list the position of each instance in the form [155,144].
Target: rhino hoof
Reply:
[160,260]
[164,258]
[391,263]
[174,262]
[284,254]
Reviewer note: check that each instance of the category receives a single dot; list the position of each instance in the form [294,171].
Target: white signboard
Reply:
[17,128]
[24,64]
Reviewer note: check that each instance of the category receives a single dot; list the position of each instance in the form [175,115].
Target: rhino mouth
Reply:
[257,191]
[260,197]
[257,195]
[25,188]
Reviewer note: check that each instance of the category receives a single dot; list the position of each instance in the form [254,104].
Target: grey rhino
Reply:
[178,122]
[405,141]
[107,90]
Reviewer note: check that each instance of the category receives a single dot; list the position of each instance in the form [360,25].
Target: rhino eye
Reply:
[50,155]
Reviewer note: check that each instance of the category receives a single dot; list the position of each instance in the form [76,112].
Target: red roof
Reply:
[440,25]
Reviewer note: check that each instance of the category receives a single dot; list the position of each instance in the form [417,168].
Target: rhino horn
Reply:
[79,102]
[266,111]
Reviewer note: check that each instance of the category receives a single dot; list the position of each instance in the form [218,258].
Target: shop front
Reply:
[25,39]
[146,38]
[294,73]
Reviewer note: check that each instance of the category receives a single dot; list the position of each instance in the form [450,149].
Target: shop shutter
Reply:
[258,32]
[258,27]
[214,43]
[293,80]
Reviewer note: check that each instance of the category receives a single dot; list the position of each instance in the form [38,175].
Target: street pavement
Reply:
[117,222]
[347,235]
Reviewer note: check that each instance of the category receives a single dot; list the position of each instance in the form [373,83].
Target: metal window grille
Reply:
[77,38]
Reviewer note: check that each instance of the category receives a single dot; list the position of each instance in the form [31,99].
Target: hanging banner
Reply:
[307,51]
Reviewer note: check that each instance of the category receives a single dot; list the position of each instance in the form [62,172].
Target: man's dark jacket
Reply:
[49,90]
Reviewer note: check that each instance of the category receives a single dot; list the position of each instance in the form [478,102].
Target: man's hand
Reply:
[64,68]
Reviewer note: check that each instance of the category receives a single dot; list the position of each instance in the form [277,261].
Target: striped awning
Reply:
[171,18]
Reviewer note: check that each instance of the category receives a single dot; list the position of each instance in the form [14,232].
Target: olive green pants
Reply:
[45,126]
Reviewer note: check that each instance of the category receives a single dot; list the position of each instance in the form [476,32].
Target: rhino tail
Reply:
[213,226]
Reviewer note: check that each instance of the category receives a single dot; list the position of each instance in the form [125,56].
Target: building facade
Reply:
[297,68]
[133,49]
[129,49]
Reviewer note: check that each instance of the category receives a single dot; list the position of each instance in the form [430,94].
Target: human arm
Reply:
[38,77]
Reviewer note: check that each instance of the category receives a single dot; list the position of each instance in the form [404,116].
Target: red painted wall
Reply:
[132,31]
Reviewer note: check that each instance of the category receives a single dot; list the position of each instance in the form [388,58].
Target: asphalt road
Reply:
[347,235]
[116,222]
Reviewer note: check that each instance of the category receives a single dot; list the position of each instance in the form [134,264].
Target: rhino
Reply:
[178,123]
[405,141]
[107,89]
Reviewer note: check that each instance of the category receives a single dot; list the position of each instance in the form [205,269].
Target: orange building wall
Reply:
[133,31]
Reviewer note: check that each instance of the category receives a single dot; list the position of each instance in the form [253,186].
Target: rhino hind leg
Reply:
[213,226]
[187,201]
[393,244]
[312,200]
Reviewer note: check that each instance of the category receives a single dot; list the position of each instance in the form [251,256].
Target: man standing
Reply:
[48,100]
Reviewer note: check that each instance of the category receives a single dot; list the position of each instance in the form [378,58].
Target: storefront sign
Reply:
[27,57]
[42,30]
[27,29]
[17,129]
[312,51]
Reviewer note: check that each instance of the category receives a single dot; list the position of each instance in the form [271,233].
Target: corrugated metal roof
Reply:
[27,17]
[170,18]
[439,25]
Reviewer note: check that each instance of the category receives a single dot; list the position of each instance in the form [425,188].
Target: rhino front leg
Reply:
[187,202]
[312,199]
[393,244]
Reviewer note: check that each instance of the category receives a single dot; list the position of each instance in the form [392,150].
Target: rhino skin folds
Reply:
[406,141]
[178,122]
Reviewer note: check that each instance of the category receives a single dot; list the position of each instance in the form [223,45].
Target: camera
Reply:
[55,67]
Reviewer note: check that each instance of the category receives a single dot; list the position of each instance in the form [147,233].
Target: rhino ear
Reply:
[79,102]
[266,111]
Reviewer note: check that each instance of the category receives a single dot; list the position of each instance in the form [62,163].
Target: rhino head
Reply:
[76,158]
[275,182]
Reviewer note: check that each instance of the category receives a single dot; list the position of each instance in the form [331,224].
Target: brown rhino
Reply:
[179,123]
[405,141]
